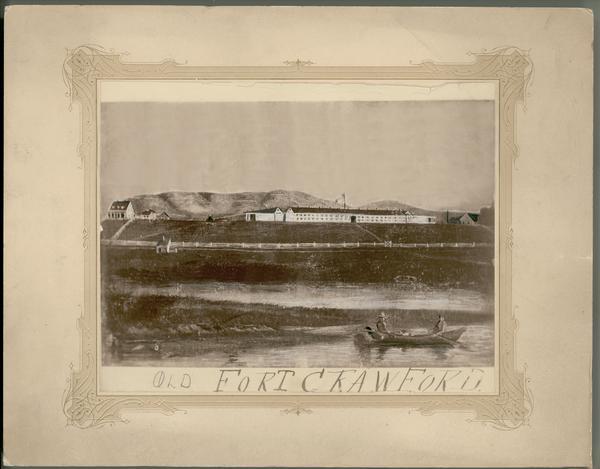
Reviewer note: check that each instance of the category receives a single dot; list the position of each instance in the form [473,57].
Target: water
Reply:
[412,296]
[337,349]
[324,346]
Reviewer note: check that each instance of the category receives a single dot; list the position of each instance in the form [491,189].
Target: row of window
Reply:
[321,217]
[324,217]
[116,216]
[358,217]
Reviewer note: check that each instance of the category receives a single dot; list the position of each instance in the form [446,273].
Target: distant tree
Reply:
[486,216]
[210,219]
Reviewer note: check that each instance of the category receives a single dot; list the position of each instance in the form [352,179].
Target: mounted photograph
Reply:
[332,236]
[300,225]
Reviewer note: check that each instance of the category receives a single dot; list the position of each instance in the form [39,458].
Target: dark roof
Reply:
[148,212]
[472,216]
[264,210]
[357,211]
[120,205]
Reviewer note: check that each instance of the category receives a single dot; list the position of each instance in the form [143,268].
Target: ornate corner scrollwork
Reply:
[512,66]
[84,408]
[515,72]
[82,66]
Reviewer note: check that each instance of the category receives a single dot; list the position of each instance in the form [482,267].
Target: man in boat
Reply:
[383,329]
[381,324]
[440,325]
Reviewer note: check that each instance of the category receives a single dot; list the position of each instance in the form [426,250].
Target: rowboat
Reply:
[372,337]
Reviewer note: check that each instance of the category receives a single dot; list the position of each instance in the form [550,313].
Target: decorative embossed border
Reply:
[512,70]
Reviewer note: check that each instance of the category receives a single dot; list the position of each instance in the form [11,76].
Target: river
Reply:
[301,343]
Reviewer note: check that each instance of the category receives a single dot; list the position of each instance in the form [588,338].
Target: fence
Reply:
[274,246]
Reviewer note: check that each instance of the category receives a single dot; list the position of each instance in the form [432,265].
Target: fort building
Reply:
[121,210]
[337,215]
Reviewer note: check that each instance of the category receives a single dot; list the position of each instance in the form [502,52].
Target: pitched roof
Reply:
[148,212]
[265,210]
[472,216]
[120,205]
[356,211]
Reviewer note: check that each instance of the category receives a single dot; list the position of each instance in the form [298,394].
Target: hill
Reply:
[199,205]
[395,205]
[441,216]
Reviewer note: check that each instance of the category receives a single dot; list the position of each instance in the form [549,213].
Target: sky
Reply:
[431,154]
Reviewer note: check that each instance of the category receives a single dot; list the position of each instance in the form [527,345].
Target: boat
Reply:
[372,337]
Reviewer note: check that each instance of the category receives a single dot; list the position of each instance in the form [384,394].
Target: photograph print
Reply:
[298,230]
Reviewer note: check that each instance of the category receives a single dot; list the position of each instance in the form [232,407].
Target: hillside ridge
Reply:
[200,205]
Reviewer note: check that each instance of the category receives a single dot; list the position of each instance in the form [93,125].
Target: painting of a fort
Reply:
[266,242]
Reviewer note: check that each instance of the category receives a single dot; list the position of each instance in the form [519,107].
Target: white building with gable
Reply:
[121,210]
[266,214]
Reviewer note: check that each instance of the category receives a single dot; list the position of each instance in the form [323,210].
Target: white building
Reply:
[338,215]
[121,210]
[165,246]
[468,219]
[267,214]
[147,215]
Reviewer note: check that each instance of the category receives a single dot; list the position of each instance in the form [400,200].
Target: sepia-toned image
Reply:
[249,229]
[298,236]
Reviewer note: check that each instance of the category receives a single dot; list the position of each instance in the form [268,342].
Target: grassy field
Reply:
[465,268]
[437,233]
[245,232]
[110,227]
